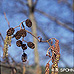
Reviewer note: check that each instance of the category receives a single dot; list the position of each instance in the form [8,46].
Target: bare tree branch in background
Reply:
[55,20]
[2,37]
[66,2]
[35,3]
[13,68]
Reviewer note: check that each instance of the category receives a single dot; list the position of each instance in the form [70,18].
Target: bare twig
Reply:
[20,25]
[38,39]
[2,37]
[7,20]
[24,40]
[16,26]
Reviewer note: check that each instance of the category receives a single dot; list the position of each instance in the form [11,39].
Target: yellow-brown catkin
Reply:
[57,46]
[57,51]
[53,56]
[52,70]
[47,69]
[56,69]
[58,57]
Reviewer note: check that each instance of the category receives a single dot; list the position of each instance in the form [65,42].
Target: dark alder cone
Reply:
[28,23]
[17,35]
[31,45]
[19,43]
[10,31]
[24,47]
[23,32]
[24,57]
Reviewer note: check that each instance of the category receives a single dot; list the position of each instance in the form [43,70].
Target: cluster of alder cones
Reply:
[18,35]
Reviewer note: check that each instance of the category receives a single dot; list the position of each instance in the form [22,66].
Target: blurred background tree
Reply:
[50,18]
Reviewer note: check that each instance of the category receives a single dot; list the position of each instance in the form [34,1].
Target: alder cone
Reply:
[31,45]
[10,31]
[17,35]
[28,23]
[23,32]
[24,47]
[24,57]
[19,43]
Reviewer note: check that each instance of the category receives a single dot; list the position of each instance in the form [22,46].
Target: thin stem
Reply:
[7,20]
[32,35]
[50,60]
[38,39]
[24,40]
[16,26]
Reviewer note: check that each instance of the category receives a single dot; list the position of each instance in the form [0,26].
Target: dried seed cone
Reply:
[23,32]
[31,45]
[24,47]
[47,69]
[19,43]
[28,23]
[10,31]
[24,57]
[17,35]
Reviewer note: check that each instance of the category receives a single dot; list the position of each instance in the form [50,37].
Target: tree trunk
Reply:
[24,69]
[34,31]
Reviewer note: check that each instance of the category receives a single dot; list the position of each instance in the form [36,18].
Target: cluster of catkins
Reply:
[18,35]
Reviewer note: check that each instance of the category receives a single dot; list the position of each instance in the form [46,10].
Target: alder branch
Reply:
[55,20]
[39,39]
[47,37]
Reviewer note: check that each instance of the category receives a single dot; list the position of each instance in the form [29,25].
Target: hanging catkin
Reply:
[47,69]
[7,42]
